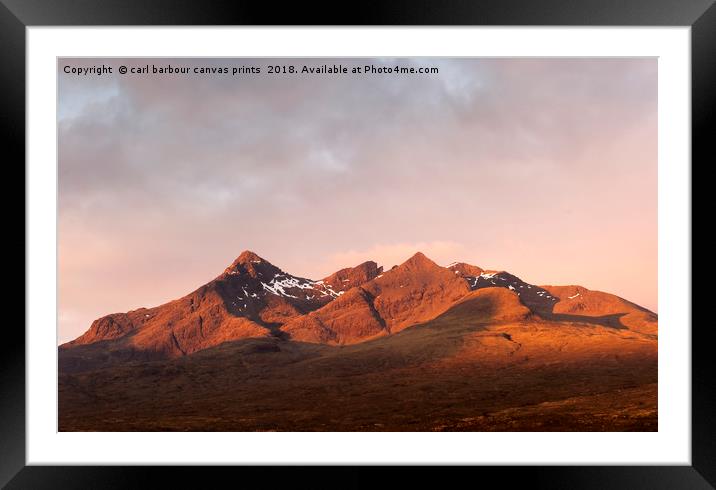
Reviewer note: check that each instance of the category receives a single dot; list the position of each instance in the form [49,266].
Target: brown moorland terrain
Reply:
[417,348]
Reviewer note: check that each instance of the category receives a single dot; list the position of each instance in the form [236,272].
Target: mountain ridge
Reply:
[254,298]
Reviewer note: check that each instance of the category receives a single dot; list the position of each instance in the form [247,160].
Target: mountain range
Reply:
[254,298]
[364,322]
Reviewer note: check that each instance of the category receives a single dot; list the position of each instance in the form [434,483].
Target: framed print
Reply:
[428,236]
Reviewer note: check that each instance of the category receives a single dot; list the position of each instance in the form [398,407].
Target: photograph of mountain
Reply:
[384,233]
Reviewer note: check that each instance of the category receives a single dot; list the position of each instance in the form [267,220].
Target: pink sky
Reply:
[545,168]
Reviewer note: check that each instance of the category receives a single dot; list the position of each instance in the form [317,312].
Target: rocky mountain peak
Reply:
[251,263]
[419,261]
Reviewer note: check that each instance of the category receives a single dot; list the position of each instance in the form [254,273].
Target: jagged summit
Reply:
[245,258]
[249,256]
[419,261]
[349,277]
[252,264]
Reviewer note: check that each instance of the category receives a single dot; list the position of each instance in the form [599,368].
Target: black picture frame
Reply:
[16,15]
